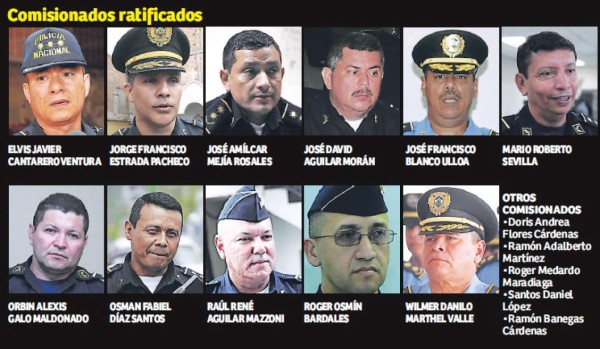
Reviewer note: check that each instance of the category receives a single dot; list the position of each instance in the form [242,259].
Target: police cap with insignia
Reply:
[356,200]
[48,47]
[245,205]
[149,49]
[450,51]
[409,209]
[447,210]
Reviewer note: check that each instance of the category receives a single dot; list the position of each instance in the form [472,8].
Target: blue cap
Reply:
[149,49]
[245,205]
[50,46]
[446,210]
[356,200]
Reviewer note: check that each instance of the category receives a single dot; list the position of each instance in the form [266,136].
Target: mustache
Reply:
[364,91]
[451,93]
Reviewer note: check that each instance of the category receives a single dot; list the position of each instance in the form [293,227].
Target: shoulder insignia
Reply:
[193,122]
[291,277]
[407,127]
[189,272]
[121,132]
[18,269]
[417,271]
[83,274]
[487,260]
[21,133]
[493,289]
[114,267]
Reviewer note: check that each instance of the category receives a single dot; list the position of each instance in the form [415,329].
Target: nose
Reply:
[163,88]
[365,249]
[60,241]
[449,82]
[258,247]
[161,239]
[561,81]
[262,82]
[438,244]
[56,84]
[363,79]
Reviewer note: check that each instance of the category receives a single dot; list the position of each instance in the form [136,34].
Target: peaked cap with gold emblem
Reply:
[153,48]
[447,210]
[245,205]
[450,51]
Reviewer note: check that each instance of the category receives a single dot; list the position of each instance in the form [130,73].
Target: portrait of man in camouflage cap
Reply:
[57,84]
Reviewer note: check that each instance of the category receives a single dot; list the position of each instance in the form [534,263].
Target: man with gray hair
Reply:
[353,75]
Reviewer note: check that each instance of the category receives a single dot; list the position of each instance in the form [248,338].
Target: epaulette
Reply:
[218,110]
[292,113]
[189,272]
[510,121]
[586,119]
[114,267]
[493,289]
[121,132]
[487,260]
[18,269]
[82,274]
[21,133]
[407,127]
[418,271]
[193,122]
[291,277]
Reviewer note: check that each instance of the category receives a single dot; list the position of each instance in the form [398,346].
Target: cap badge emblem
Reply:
[439,202]
[160,36]
[453,45]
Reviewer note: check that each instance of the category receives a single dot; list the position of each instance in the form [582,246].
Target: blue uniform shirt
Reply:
[278,283]
[476,286]
[423,128]
[413,275]
[489,270]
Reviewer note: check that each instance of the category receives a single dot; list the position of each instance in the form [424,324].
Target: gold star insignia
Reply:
[40,46]
[50,44]
[213,115]
[293,114]
[220,109]
[60,43]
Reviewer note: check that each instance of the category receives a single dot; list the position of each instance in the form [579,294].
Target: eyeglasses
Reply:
[353,237]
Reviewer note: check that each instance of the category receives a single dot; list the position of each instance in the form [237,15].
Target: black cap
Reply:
[450,51]
[148,49]
[50,46]
[356,200]
[451,210]
[245,205]
[409,209]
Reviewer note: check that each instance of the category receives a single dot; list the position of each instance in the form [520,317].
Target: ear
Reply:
[475,87]
[26,91]
[127,88]
[282,72]
[128,229]
[423,84]
[30,233]
[479,250]
[224,74]
[85,240]
[220,246]
[310,250]
[326,74]
[520,81]
[86,81]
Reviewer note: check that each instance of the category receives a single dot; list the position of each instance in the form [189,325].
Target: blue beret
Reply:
[50,46]
[153,48]
[356,200]
[446,210]
[409,209]
[245,205]
[450,51]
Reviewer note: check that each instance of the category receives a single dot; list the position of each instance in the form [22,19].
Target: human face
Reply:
[248,248]
[355,83]
[154,239]
[449,98]
[255,81]
[360,268]
[58,242]
[155,97]
[550,87]
[56,96]
[414,241]
[452,258]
